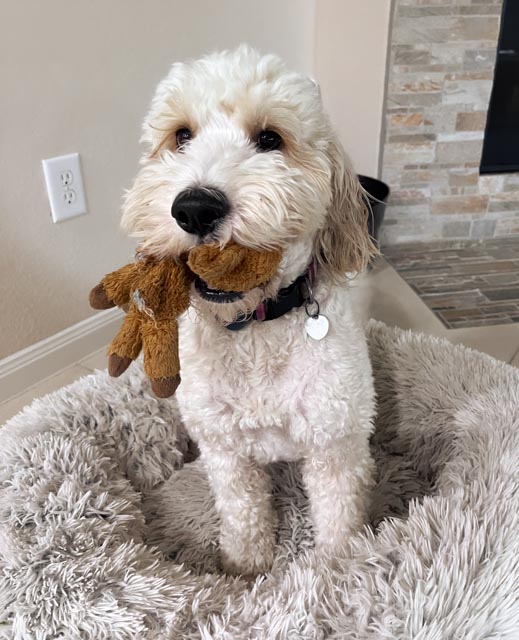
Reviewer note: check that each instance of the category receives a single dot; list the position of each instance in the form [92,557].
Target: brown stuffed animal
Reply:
[156,292]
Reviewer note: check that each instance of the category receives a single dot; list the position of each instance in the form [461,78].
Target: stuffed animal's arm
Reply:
[115,288]
[178,283]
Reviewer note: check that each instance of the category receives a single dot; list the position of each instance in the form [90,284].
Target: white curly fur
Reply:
[268,392]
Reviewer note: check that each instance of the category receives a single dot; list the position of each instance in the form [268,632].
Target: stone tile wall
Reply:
[442,55]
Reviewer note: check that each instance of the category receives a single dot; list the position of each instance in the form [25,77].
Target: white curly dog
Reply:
[239,148]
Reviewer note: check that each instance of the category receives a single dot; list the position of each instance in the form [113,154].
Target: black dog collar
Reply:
[291,297]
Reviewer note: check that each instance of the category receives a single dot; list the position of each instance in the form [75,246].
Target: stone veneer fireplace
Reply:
[441,68]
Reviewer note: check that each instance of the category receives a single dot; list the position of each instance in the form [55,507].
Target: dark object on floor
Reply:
[465,284]
[378,193]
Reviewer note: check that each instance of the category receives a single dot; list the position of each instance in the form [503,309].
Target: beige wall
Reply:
[350,65]
[77,76]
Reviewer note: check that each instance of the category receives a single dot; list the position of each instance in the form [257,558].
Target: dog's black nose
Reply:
[198,211]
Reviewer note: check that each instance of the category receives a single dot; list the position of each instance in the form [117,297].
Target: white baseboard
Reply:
[45,358]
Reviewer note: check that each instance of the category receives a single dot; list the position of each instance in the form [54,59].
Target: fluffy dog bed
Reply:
[102,536]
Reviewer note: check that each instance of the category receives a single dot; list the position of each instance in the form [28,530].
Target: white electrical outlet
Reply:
[64,187]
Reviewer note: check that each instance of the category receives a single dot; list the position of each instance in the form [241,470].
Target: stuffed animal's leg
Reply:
[161,361]
[126,345]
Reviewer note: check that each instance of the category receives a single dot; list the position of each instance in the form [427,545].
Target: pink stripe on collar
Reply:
[260,312]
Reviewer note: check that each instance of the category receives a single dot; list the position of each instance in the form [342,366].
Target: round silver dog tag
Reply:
[317,327]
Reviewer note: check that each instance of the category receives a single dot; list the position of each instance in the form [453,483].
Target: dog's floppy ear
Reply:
[343,245]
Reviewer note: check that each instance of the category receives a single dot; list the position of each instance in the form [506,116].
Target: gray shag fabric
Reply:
[103,535]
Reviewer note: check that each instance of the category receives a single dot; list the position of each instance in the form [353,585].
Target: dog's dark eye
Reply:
[182,136]
[268,140]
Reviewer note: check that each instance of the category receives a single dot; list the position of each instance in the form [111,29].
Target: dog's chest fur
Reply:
[266,388]
[241,381]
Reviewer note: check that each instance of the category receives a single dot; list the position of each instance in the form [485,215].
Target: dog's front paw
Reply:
[247,558]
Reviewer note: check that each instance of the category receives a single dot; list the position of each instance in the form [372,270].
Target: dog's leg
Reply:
[243,498]
[338,481]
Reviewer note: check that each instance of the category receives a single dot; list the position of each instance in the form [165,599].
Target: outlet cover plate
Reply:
[64,186]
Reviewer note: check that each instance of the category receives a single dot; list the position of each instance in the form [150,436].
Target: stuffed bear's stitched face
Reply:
[239,127]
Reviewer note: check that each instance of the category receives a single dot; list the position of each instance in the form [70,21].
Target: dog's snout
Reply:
[198,211]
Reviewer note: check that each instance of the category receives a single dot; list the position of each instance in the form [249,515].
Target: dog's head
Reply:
[239,148]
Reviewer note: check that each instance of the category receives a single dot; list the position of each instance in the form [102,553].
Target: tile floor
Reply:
[380,294]
[469,285]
